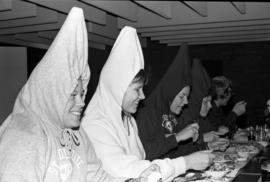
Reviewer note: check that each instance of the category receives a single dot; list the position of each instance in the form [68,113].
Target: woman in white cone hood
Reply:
[38,141]
[108,121]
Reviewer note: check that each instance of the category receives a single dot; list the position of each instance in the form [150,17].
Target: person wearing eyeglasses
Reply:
[221,92]
[267,113]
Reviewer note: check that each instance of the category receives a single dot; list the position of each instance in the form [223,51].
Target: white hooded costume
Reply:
[117,143]
[34,144]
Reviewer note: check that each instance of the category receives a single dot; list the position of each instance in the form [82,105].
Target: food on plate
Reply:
[218,170]
[253,149]
[241,159]
[220,144]
[231,149]
[191,176]
[244,151]
[224,158]
[216,174]
[242,154]
[220,167]
[247,149]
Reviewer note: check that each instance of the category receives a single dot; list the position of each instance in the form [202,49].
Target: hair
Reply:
[141,77]
[220,87]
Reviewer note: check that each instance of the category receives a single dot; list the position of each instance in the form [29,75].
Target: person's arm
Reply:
[153,139]
[204,127]
[156,147]
[95,170]
[238,109]
[121,163]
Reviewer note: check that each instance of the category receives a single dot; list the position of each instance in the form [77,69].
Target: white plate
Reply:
[241,159]
[216,174]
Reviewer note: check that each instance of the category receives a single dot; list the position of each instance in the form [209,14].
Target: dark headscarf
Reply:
[174,80]
[201,83]
[200,86]
[149,117]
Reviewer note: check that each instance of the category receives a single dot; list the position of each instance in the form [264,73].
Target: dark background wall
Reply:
[246,64]
[13,75]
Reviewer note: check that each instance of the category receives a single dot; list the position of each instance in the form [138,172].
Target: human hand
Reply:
[152,174]
[206,106]
[210,136]
[223,130]
[220,144]
[190,131]
[199,160]
[239,108]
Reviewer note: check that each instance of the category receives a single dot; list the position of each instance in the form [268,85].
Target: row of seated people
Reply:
[45,138]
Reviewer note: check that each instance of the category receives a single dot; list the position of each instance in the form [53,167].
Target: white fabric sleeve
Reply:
[95,170]
[179,165]
[118,163]
[171,168]
[115,159]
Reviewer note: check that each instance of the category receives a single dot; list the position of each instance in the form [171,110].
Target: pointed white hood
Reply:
[124,62]
[48,89]
[104,109]
[120,151]
[37,121]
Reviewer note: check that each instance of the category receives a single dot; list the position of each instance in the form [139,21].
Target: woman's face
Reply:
[132,97]
[74,107]
[180,100]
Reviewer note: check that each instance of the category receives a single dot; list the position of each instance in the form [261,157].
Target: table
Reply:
[250,170]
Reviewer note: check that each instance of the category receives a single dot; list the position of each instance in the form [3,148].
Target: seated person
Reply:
[157,119]
[41,140]
[108,119]
[197,110]
[267,113]
[220,90]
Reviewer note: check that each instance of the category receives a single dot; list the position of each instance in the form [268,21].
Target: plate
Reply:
[241,159]
[223,158]
[216,174]
[194,176]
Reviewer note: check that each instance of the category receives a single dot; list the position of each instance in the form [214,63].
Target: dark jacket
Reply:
[201,83]
[154,120]
[217,117]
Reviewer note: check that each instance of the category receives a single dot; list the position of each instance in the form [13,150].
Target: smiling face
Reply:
[132,97]
[180,100]
[74,107]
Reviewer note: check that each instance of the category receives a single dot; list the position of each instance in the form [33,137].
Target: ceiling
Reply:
[34,23]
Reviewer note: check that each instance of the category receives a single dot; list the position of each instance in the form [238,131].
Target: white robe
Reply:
[122,154]
[30,147]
